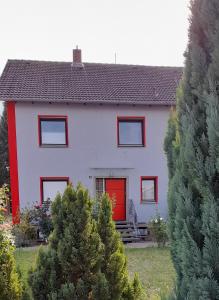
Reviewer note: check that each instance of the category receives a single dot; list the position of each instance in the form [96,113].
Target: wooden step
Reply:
[130,239]
[121,222]
[124,226]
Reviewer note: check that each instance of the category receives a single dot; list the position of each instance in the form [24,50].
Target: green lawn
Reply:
[153,265]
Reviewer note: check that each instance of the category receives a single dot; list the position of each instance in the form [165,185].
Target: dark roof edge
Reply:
[66,101]
[94,63]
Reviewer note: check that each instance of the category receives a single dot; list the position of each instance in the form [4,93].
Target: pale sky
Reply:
[146,32]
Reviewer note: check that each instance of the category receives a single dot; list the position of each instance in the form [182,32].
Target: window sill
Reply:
[149,202]
[53,146]
[130,146]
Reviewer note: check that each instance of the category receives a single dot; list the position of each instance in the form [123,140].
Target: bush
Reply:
[10,285]
[158,230]
[34,223]
[25,232]
[83,260]
[41,216]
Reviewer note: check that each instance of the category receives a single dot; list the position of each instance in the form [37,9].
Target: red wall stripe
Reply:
[12,147]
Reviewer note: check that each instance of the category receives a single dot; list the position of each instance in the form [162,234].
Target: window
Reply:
[131,131]
[149,189]
[100,187]
[53,131]
[50,186]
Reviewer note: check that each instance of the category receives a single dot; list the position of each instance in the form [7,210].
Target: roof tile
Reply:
[25,80]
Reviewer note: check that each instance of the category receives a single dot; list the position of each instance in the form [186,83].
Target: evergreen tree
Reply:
[4,174]
[70,267]
[10,285]
[192,146]
[114,264]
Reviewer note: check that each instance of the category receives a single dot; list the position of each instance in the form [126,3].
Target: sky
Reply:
[144,32]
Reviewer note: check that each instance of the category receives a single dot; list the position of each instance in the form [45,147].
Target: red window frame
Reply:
[155,178]
[132,119]
[52,118]
[42,179]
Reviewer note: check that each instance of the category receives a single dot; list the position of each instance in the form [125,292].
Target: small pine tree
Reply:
[70,267]
[10,286]
[114,264]
[4,174]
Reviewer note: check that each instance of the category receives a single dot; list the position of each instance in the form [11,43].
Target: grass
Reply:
[155,270]
[153,265]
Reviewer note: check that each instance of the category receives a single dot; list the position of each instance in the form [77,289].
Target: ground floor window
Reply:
[50,186]
[149,189]
[100,187]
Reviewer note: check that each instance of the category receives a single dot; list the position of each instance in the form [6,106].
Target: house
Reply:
[99,124]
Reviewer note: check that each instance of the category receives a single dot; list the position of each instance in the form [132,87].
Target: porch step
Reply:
[128,232]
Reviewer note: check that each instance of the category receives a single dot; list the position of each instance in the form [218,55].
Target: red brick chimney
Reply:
[77,57]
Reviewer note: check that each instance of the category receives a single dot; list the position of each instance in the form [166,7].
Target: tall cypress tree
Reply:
[192,146]
[4,174]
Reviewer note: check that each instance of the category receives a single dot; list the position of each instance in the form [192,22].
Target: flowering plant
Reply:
[4,201]
[158,230]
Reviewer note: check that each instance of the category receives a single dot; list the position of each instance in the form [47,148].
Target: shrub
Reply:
[114,264]
[158,230]
[4,199]
[83,260]
[41,216]
[10,285]
[70,266]
[25,232]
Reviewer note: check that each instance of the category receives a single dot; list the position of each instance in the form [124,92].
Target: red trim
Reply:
[52,117]
[13,164]
[50,179]
[155,178]
[133,118]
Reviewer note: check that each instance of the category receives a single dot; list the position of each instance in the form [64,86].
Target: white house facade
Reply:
[98,124]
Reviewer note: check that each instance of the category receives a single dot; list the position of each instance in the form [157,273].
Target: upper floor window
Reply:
[53,131]
[149,189]
[131,131]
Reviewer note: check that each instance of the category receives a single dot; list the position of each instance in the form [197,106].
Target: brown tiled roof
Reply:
[25,80]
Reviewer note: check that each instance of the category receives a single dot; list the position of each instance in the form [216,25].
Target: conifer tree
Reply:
[10,286]
[70,267]
[192,147]
[4,174]
[114,264]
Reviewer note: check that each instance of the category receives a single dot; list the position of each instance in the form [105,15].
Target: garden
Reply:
[80,255]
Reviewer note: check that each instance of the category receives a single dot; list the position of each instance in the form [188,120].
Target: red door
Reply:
[116,188]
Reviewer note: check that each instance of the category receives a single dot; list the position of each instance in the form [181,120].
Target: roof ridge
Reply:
[94,63]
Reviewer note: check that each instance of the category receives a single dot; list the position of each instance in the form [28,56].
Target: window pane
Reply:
[53,132]
[130,133]
[148,190]
[99,187]
[51,188]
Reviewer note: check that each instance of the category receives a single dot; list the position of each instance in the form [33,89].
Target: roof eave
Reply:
[70,101]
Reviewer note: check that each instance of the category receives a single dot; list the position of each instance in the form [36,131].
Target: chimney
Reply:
[77,58]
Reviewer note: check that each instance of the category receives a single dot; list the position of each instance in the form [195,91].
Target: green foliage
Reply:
[83,260]
[25,232]
[4,174]
[74,253]
[193,166]
[114,264]
[158,230]
[10,286]
[42,219]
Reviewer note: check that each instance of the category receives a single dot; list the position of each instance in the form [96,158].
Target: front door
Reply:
[116,189]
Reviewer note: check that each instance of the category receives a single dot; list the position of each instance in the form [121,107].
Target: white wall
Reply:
[92,151]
